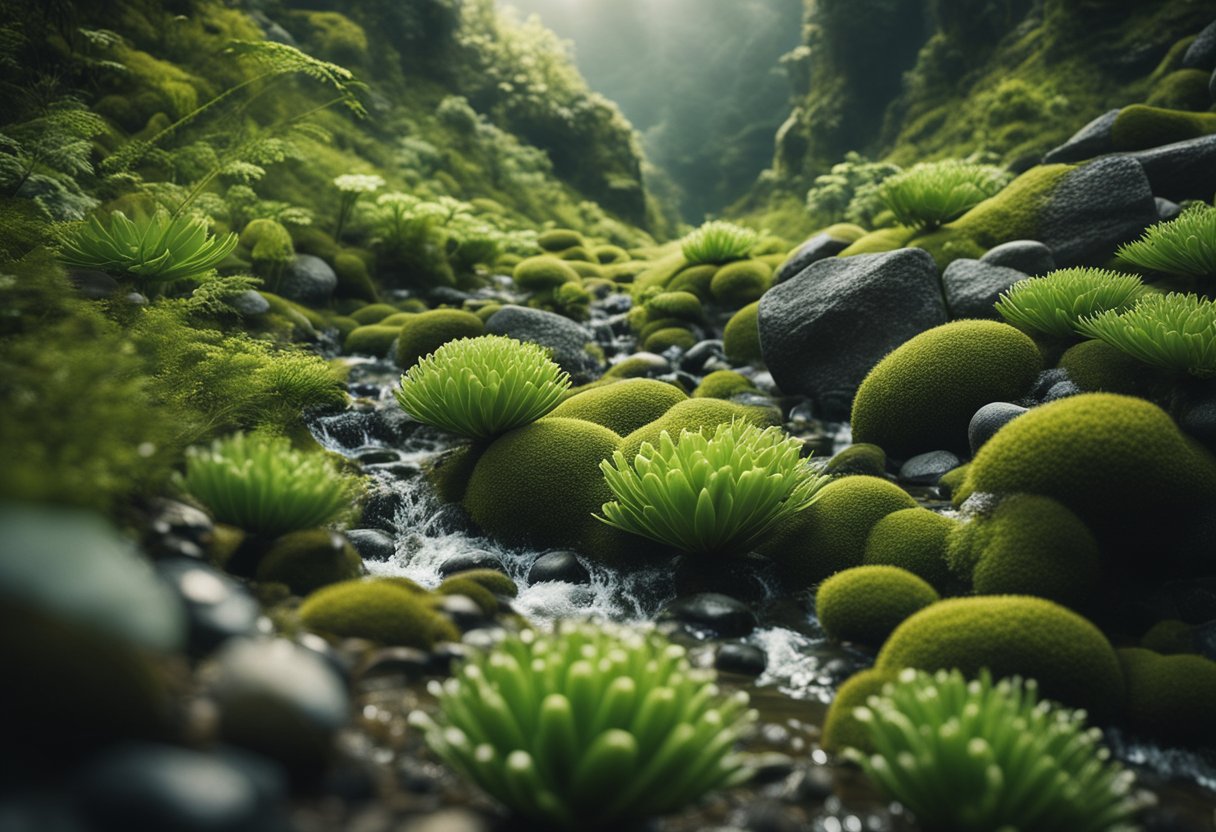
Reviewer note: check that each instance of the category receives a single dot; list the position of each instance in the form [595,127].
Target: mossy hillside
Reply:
[308,560]
[693,415]
[840,729]
[378,609]
[741,336]
[1013,635]
[831,534]
[1139,126]
[865,604]
[921,397]
[428,331]
[914,539]
[624,406]
[1170,697]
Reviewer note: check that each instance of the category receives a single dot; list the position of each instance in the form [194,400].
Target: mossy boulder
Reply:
[831,534]
[428,331]
[310,559]
[1097,367]
[586,270]
[1170,637]
[861,458]
[664,339]
[396,319]
[378,609]
[695,279]
[373,313]
[692,415]
[539,484]
[1182,89]
[723,384]
[543,273]
[577,254]
[741,337]
[684,306]
[450,470]
[1139,126]
[876,242]
[610,254]
[914,539]
[1013,635]
[840,729]
[737,284]
[371,340]
[559,239]
[624,406]
[353,278]
[1170,697]
[491,579]
[866,603]
[921,397]
[475,591]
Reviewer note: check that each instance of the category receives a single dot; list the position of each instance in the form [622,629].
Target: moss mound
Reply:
[1097,367]
[381,610]
[723,384]
[1139,126]
[374,340]
[913,539]
[1182,89]
[539,485]
[840,729]
[624,406]
[491,579]
[559,239]
[737,284]
[373,313]
[1170,697]
[577,254]
[670,336]
[537,274]
[684,306]
[1170,637]
[921,397]
[741,337]
[861,458]
[1013,635]
[691,414]
[353,279]
[308,560]
[475,591]
[831,534]
[428,331]
[586,270]
[866,603]
[695,279]
[610,255]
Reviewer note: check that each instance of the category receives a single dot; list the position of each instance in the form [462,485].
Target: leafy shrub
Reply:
[932,193]
[849,191]
[718,242]
[264,486]
[981,756]
[351,186]
[1184,246]
[713,494]
[1175,332]
[482,387]
[593,726]
[1055,303]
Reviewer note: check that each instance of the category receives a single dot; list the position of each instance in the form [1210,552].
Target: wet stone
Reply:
[372,544]
[744,659]
[476,559]
[558,566]
[376,456]
[364,389]
[745,577]
[1061,390]
[396,661]
[462,611]
[178,530]
[698,354]
[928,468]
[381,508]
[217,607]
[444,654]
[720,614]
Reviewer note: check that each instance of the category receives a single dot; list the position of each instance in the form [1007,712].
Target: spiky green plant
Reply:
[1184,246]
[1053,304]
[158,249]
[931,193]
[590,727]
[1176,332]
[481,387]
[718,241]
[264,486]
[715,494]
[977,756]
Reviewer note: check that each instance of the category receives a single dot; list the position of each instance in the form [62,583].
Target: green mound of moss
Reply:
[691,414]
[310,559]
[1170,697]
[373,339]
[559,239]
[373,313]
[866,603]
[741,337]
[667,337]
[624,406]
[737,284]
[684,306]
[913,539]
[695,279]
[840,729]
[543,273]
[380,610]
[861,458]
[1097,367]
[723,384]
[1139,126]
[428,331]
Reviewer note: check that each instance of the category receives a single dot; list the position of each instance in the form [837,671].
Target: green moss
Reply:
[1097,367]
[491,579]
[371,340]
[952,481]
[914,539]
[487,311]
[921,397]
[559,239]
[622,407]
[308,560]
[314,241]
[884,239]
[577,254]
[333,36]
[695,279]
[659,273]
[723,384]
[380,610]
[353,278]
[1140,126]
[538,274]
[846,231]
[831,534]
[840,729]
[345,326]
[539,485]
[737,284]
[668,337]
[607,254]
[1013,635]
[741,336]
[1183,89]
[450,471]
[586,270]
[652,325]
[861,458]
[373,313]
[692,414]
[428,331]
[866,603]
[397,319]
[684,306]
[624,273]
[1170,637]
[1170,697]
[632,367]
[471,589]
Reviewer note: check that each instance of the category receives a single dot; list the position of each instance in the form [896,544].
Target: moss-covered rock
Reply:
[475,591]
[308,560]
[921,397]
[1170,637]
[450,470]
[683,306]
[951,482]
[652,325]
[586,270]
[539,484]
[353,278]
[840,729]
[914,539]
[737,284]
[396,319]
[610,254]
[831,534]
[1013,635]
[371,340]
[670,336]
[1139,126]
[723,384]
[491,579]
[860,458]
[428,331]
[883,239]
[693,415]
[1182,89]
[622,407]
[696,279]
[866,603]
[543,273]
[577,254]
[373,313]
[378,609]
[1097,367]
[559,239]
[741,337]
[1170,697]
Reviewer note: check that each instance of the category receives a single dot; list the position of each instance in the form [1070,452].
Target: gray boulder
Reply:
[973,286]
[1094,139]
[817,248]
[1167,209]
[308,280]
[1095,208]
[1028,256]
[567,339]
[250,303]
[1201,54]
[822,330]
[1182,170]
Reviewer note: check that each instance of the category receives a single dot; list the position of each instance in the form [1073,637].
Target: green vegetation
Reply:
[718,242]
[913,539]
[1174,332]
[1168,697]
[392,611]
[932,193]
[1183,247]
[623,406]
[308,560]
[592,726]
[866,603]
[482,387]
[1056,303]
[426,332]
[715,495]
[984,756]
[849,192]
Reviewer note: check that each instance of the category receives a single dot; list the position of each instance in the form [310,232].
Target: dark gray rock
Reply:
[475,559]
[1094,139]
[217,607]
[819,247]
[988,420]
[175,529]
[1182,170]
[700,353]
[1061,390]
[744,659]
[409,662]
[376,456]
[1199,418]
[1047,379]
[309,280]
[563,336]
[973,286]
[1212,86]
[447,295]
[381,507]
[372,544]
[822,330]
[1095,208]
[1028,256]
[927,468]
[91,284]
[462,611]
[250,303]
[1167,209]
[1201,54]
[720,614]
[558,566]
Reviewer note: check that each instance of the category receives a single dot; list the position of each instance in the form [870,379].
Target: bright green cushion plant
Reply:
[1174,332]
[1184,246]
[713,494]
[590,727]
[155,250]
[1054,304]
[482,387]
[932,193]
[978,756]
[718,241]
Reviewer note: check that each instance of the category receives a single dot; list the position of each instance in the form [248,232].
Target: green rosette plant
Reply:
[712,494]
[1175,332]
[932,193]
[1055,303]
[1184,246]
[980,756]
[593,726]
[718,242]
[482,387]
